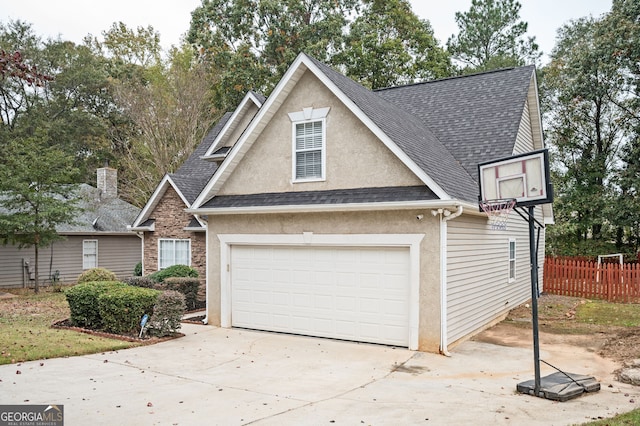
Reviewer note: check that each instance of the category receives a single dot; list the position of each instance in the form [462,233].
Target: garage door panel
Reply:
[347,293]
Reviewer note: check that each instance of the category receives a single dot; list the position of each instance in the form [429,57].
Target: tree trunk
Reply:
[36,287]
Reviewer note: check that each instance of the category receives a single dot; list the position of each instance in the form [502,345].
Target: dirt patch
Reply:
[558,325]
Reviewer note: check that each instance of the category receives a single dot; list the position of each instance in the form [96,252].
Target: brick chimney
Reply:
[108,182]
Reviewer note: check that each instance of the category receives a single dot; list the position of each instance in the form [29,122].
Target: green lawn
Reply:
[25,321]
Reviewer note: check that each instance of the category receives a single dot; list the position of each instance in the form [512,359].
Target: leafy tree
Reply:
[389,45]
[250,43]
[492,36]
[35,194]
[586,129]
[171,112]
[618,36]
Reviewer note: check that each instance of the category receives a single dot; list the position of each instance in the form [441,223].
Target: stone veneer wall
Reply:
[171,220]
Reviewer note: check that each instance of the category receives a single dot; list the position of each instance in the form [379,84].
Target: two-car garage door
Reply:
[352,293]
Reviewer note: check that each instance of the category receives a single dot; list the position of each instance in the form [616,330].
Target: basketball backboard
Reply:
[524,177]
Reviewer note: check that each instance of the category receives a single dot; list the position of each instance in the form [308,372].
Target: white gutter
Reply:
[206,266]
[445,216]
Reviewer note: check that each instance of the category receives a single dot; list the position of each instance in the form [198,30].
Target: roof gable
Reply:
[380,116]
[235,119]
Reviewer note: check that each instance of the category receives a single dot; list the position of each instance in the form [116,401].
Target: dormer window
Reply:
[309,144]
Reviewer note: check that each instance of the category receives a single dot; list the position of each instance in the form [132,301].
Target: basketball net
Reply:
[498,212]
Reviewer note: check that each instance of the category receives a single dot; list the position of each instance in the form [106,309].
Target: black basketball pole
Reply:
[534,299]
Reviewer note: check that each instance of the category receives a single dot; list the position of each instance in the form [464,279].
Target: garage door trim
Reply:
[308,239]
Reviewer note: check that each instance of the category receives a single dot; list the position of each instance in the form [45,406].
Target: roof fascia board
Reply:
[98,233]
[235,116]
[155,199]
[347,207]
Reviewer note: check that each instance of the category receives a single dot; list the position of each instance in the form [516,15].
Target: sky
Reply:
[74,19]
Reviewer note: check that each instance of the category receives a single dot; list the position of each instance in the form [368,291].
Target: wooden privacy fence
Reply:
[609,281]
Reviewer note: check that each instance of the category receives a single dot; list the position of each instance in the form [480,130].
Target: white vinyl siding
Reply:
[173,252]
[478,285]
[524,138]
[309,150]
[89,254]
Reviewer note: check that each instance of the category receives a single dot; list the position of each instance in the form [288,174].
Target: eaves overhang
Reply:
[347,207]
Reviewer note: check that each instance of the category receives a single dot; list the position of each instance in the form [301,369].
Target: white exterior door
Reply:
[352,293]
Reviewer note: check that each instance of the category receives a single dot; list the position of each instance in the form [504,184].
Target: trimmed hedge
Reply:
[145,282]
[187,286]
[167,313]
[96,274]
[122,310]
[83,302]
[174,271]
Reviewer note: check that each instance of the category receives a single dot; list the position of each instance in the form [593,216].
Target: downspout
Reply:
[206,266]
[445,216]
[141,236]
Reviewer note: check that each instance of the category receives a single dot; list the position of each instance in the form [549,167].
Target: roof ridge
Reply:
[455,77]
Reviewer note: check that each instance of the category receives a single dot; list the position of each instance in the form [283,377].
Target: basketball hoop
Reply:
[498,212]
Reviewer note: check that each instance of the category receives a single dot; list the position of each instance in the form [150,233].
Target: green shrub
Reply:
[83,302]
[187,286]
[174,271]
[122,310]
[96,274]
[167,313]
[137,271]
[145,282]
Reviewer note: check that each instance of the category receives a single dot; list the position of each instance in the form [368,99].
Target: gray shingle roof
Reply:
[195,172]
[411,134]
[338,196]
[100,214]
[476,116]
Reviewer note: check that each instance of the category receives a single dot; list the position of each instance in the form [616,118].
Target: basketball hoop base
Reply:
[560,386]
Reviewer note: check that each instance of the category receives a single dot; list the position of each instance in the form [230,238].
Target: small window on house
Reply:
[512,259]
[309,144]
[309,147]
[89,254]
[173,252]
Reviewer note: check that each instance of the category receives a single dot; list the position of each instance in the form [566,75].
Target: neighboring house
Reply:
[170,235]
[99,238]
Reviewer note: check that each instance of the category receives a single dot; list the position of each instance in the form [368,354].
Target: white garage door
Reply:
[348,293]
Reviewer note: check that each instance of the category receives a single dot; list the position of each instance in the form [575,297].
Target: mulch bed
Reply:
[149,340]
[194,320]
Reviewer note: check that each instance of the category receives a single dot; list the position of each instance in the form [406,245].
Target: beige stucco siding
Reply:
[355,158]
[478,287]
[384,222]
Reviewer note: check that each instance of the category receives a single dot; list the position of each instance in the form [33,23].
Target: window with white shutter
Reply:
[309,144]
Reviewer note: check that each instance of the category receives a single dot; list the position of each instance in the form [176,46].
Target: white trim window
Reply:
[89,254]
[512,259]
[173,252]
[309,144]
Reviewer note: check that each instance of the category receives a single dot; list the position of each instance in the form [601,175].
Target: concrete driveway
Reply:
[219,376]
